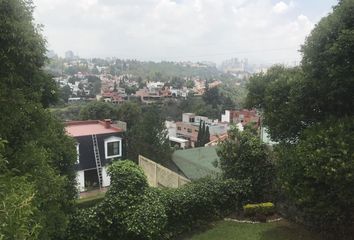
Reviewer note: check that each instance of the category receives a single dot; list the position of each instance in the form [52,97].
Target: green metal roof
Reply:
[196,163]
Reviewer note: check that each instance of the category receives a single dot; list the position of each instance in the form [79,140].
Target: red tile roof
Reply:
[90,127]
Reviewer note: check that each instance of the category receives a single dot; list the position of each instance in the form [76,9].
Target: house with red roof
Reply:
[97,144]
[243,116]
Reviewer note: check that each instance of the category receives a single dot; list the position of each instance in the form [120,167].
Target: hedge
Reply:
[266,209]
[133,210]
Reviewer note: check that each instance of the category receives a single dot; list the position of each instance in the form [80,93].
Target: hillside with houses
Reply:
[110,148]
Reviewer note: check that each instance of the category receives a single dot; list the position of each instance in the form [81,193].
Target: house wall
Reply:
[183,131]
[87,157]
[80,179]
[186,117]
[106,180]
[225,117]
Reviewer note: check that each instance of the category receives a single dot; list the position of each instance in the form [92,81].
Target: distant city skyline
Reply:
[263,31]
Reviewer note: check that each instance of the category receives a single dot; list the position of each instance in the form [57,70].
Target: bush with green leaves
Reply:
[317,175]
[133,210]
[200,202]
[130,210]
[243,156]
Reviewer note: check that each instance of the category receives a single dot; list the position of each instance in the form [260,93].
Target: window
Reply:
[189,130]
[179,128]
[77,152]
[113,146]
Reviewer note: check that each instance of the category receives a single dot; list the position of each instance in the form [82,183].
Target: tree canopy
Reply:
[37,149]
[243,157]
[322,86]
[309,109]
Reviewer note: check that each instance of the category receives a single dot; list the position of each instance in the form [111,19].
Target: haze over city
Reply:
[264,31]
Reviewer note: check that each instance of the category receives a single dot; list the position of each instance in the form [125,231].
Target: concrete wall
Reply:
[80,179]
[159,176]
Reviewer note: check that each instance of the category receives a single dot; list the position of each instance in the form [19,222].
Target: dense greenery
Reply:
[317,174]
[279,94]
[309,110]
[17,210]
[203,135]
[200,202]
[98,111]
[132,210]
[243,156]
[39,168]
[149,136]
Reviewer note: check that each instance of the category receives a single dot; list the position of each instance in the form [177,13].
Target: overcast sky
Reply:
[264,31]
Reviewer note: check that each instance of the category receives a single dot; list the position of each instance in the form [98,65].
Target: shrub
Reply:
[132,210]
[202,201]
[243,156]
[260,208]
[84,225]
[317,175]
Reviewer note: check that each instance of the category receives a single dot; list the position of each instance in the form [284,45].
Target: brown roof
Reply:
[90,127]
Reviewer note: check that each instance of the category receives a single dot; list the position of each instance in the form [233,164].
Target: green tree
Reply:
[317,175]
[190,84]
[279,94]
[64,93]
[98,111]
[149,137]
[38,150]
[321,87]
[328,57]
[243,157]
[212,96]
[18,218]
[130,210]
[130,113]
[203,134]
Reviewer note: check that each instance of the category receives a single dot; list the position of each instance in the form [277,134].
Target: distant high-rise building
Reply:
[69,55]
[235,65]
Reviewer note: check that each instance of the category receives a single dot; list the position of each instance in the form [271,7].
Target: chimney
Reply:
[107,123]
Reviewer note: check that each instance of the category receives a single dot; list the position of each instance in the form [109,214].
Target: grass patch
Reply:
[282,230]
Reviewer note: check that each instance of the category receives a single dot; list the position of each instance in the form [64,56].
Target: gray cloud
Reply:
[262,30]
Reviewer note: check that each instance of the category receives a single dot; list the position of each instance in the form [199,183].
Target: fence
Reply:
[159,176]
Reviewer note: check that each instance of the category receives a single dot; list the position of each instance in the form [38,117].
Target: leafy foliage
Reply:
[242,156]
[132,210]
[279,94]
[267,208]
[18,218]
[203,134]
[328,57]
[98,111]
[320,88]
[317,174]
[18,212]
[148,137]
[38,151]
[200,202]
[310,109]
